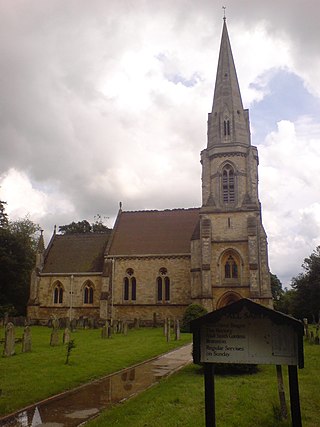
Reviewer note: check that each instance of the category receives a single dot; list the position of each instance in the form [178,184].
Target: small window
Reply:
[58,294]
[126,289]
[226,127]
[129,286]
[231,268]
[163,286]
[228,184]
[88,294]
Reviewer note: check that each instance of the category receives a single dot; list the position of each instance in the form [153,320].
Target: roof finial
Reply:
[224,13]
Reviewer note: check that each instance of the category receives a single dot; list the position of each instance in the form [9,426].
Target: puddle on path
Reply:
[79,405]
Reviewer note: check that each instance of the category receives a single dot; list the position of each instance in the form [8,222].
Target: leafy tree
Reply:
[17,258]
[193,311]
[276,287]
[84,227]
[3,215]
[75,227]
[306,286]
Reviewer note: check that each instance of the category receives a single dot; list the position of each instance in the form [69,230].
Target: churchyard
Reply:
[241,400]
[28,377]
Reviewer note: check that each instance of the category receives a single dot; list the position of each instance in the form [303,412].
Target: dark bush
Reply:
[192,312]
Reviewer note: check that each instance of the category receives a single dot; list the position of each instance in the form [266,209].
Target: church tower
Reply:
[229,249]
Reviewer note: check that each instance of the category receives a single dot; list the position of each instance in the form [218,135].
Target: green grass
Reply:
[29,377]
[241,401]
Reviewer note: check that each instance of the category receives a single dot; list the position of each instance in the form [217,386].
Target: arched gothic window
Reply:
[228,184]
[58,294]
[230,268]
[88,293]
[163,286]
[226,127]
[129,286]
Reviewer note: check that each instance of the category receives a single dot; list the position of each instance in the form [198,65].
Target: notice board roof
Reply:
[250,311]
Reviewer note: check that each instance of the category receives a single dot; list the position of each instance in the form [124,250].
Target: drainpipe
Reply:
[112,285]
[71,296]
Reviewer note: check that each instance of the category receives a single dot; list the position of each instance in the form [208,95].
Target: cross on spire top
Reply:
[224,13]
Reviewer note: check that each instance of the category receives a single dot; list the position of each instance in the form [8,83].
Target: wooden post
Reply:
[282,395]
[294,396]
[209,394]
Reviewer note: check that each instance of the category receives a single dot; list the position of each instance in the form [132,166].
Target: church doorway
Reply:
[228,298]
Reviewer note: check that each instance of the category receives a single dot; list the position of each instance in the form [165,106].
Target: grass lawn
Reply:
[241,401]
[29,377]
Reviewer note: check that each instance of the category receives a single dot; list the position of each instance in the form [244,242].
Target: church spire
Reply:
[228,121]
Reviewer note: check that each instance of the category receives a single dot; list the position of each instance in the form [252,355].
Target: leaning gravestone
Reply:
[9,340]
[26,340]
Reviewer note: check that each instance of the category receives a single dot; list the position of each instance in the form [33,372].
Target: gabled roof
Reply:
[165,232]
[76,253]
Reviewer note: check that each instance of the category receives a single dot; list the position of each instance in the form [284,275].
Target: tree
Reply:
[306,286]
[17,259]
[84,227]
[276,287]
[3,215]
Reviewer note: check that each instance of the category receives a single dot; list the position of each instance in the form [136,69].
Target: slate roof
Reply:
[76,253]
[154,232]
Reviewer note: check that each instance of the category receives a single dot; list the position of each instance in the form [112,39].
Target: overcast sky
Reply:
[104,101]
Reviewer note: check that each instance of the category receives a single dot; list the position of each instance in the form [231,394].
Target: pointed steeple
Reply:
[228,121]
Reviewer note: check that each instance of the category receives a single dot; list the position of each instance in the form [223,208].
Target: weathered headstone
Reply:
[104,331]
[73,325]
[177,330]
[91,323]
[168,337]
[154,320]
[165,326]
[9,340]
[305,326]
[26,340]
[136,323]
[66,336]
[125,328]
[54,338]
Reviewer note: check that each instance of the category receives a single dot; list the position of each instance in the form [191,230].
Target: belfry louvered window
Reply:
[226,127]
[228,184]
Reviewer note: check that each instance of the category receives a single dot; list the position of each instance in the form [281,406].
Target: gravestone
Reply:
[125,328]
[165,326]
[54,338]
[66,336]
[73,325]
[305,327]
[80,323]
[9,340]
[26,340]
[154,320]
[168,337]
[177,330]
[104,331]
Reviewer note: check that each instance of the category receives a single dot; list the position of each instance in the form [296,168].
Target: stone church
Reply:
[162,261]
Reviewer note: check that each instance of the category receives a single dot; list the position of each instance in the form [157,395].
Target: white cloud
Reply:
[290,190]
[108,101]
